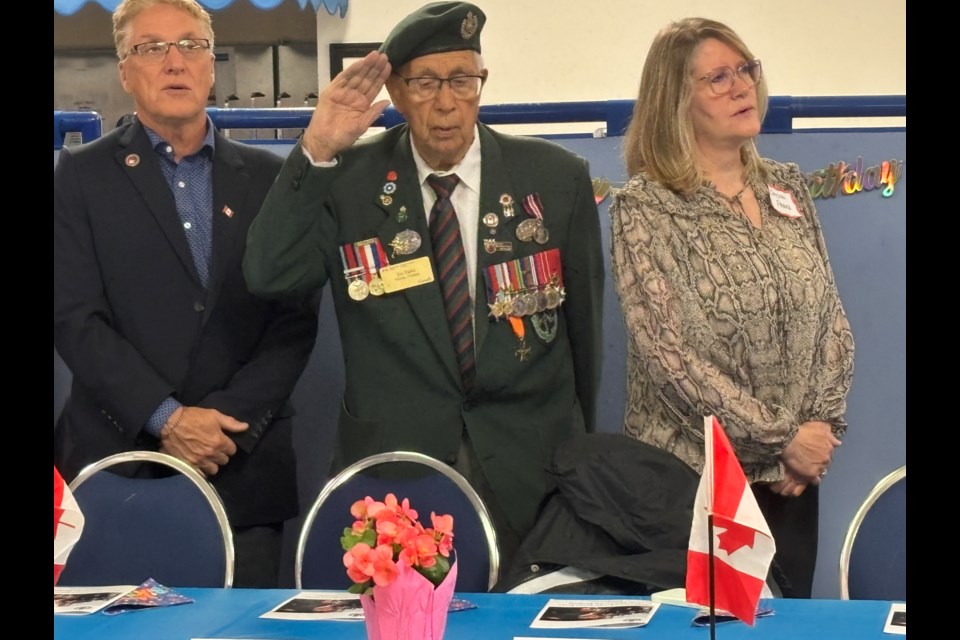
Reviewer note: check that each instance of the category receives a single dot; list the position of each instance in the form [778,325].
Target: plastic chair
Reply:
[873,558]
[173,529]
[430,485]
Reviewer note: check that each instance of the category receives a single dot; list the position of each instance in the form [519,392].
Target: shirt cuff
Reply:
[331,163]
[160,416]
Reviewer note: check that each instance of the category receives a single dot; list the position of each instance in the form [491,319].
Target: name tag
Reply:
[404,275]
[783,202]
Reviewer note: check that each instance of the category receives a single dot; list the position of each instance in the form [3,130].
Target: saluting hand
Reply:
[346,108]
[198,438]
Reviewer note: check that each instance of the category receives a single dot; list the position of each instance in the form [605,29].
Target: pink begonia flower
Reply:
[445,546]
[359,508]
[357,561]
[442,524]
[384,568]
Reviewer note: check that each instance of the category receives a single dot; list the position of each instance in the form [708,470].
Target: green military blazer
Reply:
[403,388]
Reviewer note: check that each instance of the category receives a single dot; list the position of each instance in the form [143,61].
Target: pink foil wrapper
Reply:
[410,608]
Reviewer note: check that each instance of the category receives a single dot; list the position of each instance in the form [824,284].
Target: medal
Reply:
[541,235]
[375,286]
[552,296]
[522,349]
[405,242]
[541,300]
[358,289]
[527,229]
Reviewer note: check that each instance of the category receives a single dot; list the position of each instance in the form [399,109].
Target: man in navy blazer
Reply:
[167,348]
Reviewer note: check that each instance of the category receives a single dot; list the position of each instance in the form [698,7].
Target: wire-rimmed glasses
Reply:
[722,79]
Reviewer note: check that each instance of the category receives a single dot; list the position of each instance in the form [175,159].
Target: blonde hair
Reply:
[660,138]
[128,10]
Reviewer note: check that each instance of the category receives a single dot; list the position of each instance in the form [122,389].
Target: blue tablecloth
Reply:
[235,613]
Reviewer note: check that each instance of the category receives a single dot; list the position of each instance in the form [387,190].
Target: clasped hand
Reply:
[200,439]
[806,458]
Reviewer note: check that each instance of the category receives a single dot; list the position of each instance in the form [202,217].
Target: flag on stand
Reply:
[67,523]
[742,545]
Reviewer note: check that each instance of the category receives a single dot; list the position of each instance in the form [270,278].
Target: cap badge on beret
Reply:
[469,25]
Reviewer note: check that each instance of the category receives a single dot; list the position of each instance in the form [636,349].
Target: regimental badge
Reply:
[402,213]
[468,28]
[506,201]
[492,246]
[405,243]
[545,325]
[491,220]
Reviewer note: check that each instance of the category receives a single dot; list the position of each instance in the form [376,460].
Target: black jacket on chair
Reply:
[622,509]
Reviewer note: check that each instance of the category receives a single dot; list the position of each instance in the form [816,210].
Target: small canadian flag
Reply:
[67,523]
[742,545]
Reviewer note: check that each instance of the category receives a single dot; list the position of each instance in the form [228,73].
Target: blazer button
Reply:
[198,306]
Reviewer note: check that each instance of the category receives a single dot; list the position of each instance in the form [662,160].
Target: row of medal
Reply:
[525,286]
[362,262]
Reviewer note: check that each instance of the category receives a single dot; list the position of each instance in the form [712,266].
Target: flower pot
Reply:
[410,608]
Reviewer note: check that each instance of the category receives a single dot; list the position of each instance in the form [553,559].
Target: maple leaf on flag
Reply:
[735,536]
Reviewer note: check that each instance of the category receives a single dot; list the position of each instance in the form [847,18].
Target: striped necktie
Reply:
[452,268]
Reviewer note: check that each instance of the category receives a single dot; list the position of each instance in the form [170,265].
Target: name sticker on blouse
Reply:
[784,202]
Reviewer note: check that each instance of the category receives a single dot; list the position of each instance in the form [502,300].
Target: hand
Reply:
[791,485]
[345,108]
[810,452]
[199,439]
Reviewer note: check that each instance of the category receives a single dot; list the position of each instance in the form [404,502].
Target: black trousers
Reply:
[793,523]
[257,556]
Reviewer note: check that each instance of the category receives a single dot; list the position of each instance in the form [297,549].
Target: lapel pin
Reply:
[132,160]
[227,211]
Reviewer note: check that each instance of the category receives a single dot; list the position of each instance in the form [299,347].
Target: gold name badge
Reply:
[403,275]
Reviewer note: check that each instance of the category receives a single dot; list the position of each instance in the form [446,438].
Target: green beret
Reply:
[434,28]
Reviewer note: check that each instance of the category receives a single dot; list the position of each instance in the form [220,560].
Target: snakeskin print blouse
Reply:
[723,318]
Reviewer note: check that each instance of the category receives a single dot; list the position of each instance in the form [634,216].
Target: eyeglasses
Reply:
[463,87]
[722,79]
[190,48]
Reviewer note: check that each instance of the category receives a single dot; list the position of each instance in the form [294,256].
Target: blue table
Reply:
[234,613]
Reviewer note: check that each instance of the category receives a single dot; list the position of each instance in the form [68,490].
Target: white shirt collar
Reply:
[468,169]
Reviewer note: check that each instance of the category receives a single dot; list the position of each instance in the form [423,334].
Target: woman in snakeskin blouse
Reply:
[727,294]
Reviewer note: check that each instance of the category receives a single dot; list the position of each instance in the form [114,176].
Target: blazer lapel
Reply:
[405,213]
[494,183]
[229,210]
[139,162]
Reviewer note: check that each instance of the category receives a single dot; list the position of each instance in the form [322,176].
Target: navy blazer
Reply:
[134,324]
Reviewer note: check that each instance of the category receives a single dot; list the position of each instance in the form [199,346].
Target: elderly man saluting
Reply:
[465,266]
